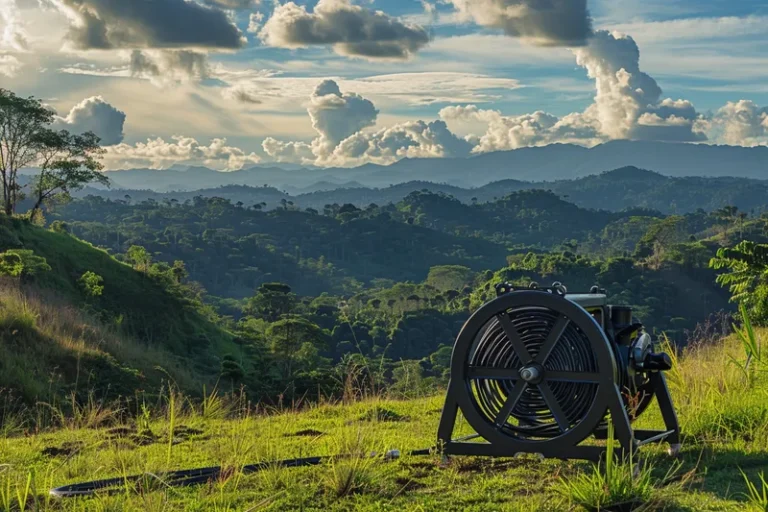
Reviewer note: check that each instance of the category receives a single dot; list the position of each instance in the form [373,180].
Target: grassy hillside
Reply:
[724,418]
[55,338]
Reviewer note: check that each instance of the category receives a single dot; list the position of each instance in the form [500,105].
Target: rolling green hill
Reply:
[57,338]
[616,190]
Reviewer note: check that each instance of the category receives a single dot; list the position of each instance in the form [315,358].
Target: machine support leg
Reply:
[668,413]
[621,424]
[447,420]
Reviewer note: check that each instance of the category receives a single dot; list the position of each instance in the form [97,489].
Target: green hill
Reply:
[57,338]
[616,190]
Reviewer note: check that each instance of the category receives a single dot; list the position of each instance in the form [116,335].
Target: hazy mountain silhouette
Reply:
[549,163]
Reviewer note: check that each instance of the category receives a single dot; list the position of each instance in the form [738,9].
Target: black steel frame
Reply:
[607,401]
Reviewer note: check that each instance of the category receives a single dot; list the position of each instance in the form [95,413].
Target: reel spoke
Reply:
[554,336]
[509,405]
[554,406]
[488,372]
[514,338]
[558,376]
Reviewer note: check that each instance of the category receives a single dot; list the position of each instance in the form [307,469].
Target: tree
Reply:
[22,122]
[294,340]
[272,300]
[179,271]
[139,256]
[747,276]
[67,162]
[727,215]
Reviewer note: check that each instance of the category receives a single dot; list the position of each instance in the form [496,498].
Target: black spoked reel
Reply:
[538,370]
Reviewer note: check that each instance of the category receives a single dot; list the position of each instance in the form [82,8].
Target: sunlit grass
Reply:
[722,414]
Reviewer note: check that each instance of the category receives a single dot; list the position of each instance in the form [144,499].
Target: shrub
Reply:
[22,263]
[91,283]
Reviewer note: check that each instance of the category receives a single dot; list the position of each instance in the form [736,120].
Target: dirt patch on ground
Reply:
[382,414]
[306,433]
[65,450]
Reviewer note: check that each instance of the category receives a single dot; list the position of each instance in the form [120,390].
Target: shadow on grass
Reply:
[718,469]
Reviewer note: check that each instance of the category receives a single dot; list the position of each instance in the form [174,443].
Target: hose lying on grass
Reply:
[189,477]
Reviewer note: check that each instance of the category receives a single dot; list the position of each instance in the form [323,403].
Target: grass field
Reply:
[723,413]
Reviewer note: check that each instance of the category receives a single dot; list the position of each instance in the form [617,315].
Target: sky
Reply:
[232,83]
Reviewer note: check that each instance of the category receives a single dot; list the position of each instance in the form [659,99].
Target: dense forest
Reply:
[306,297]
[616,190]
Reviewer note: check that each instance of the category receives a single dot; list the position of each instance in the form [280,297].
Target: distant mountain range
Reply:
[617,190]
[539,164]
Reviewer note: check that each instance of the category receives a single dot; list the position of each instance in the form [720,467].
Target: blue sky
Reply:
[711,53]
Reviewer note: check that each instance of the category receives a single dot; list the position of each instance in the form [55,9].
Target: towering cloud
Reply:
[350,29]
[336,116]
[97,116]
[542,22]
[627,105]
[107,24]
[627,100]
[340,118]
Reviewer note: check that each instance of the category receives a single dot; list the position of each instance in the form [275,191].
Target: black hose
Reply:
[189,477]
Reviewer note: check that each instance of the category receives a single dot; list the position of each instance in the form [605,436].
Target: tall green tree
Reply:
[67,163]
[272,300]
[22,123]
[297,342]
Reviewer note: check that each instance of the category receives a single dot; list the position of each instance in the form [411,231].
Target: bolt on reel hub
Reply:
[540,371]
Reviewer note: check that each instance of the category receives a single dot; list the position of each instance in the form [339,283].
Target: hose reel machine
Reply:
[539,370]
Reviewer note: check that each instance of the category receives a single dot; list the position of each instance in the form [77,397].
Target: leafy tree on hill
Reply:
[298,343]
[139,256]
[272,301]
[67,162]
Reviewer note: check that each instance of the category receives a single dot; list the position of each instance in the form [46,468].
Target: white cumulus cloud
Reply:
[341,119]
[94,115]
[741,123]
[159,153]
